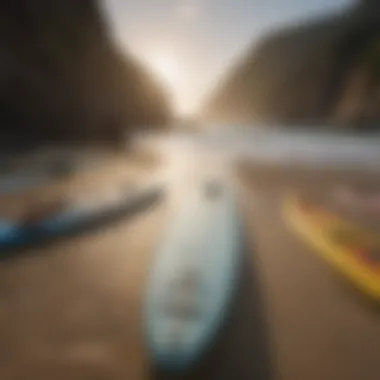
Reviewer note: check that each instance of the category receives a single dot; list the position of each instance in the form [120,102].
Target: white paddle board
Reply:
[193,278]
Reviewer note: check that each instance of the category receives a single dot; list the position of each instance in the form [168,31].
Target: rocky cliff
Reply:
[61,78]
[323,71]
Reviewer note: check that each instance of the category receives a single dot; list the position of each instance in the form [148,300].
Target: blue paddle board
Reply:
[10,232]
[14,234]
[193,278]
[86,212]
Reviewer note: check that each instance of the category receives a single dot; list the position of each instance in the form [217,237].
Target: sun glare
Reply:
[167,68]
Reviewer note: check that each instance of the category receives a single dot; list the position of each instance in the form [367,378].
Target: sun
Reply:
[173,74]
[167,68]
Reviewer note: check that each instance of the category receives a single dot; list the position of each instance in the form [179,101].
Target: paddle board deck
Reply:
[193,278]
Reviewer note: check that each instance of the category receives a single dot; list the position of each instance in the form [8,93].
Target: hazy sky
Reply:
[191,42]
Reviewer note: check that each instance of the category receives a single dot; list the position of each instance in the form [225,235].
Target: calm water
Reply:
[298,146]
[258,145]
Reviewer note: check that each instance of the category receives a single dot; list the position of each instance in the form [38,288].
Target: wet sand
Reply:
[72,309]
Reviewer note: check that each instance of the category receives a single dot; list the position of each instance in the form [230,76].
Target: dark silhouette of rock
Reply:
[325,70]
[61,78]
